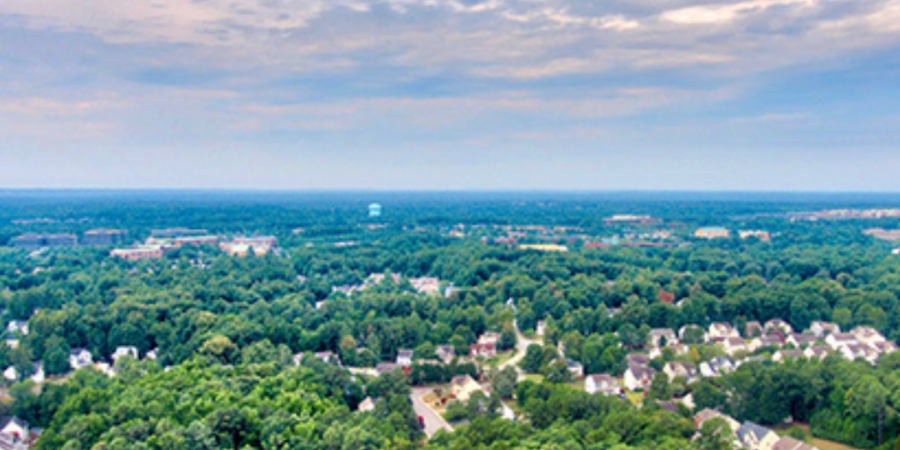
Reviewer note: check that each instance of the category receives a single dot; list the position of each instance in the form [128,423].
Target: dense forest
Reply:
[226,330]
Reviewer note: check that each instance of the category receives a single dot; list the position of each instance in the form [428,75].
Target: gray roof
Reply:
[749,428]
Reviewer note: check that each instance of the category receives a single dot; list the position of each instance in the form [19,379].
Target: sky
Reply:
[747,95]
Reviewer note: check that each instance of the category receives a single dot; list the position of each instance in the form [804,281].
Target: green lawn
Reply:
[534,378]
[636,398]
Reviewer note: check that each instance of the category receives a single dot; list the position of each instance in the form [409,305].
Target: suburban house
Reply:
[763,341]
[662,336]
[540,328]
[778,324]
[367,405]
[720,331]
[733,345]
[678,349]
[708,414]
[838,340]
[799,340]
[446,353]
[638,378]
[489,338]
[404,357]
[756,437]
[125,351]
[867,335]
[79,358]
[463,386]
[17,326]
[679,369]
[818,351]
[14,434]
[821,329]
[784,355]
[329,358]
[637,359]
[852,352]
[575,368]
[603,384]
[717,366]
[484,350]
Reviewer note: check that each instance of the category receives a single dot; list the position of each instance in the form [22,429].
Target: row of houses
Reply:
[751,436]
[79,359]
[422,285]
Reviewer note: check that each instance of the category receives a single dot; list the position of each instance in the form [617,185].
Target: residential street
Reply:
[433,420]
[522,344]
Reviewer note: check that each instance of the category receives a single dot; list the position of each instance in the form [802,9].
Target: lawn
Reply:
[636,398]
[534,378]
[821,444]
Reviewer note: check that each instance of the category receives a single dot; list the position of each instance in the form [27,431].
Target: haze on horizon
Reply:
[451,94]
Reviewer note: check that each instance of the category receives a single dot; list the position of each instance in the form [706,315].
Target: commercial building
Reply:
[33,241]
[104,237]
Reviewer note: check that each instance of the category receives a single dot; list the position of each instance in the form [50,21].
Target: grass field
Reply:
[636,398]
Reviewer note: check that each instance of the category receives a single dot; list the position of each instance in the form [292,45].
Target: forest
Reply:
[228,332]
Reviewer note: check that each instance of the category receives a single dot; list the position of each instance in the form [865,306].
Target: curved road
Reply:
[522,344]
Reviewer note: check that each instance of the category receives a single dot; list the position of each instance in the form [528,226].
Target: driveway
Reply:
[522,344]
[433,420]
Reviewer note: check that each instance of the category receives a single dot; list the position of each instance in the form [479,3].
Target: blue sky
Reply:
[451,94]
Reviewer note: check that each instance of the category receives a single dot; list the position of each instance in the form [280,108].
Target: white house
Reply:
[601,383]
[79,358]
[14,432]
[764,341]
[720,331]
[679,369]
[638,378]
[821,329]
[367,405]
[658,336]
[817,351]
[778,324]
[838,340]
[733,345]
[682,330]
[404,357]
[121,352]
[867,335]
[153,354]
[716,366]
[541,328]
[801,340]
[17,326]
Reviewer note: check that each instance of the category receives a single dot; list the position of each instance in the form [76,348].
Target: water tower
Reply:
[374,210]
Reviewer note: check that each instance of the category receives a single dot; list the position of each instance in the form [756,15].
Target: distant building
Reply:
[544,247]
[33,241]
[629,218]
[761,235]
[138,253]
[446,353]
[177,232]
[712,233]
[242,246]
[104,237]
[374,210]
[367,405]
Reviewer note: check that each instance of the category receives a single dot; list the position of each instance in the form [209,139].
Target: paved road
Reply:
[522,344]
[433,420]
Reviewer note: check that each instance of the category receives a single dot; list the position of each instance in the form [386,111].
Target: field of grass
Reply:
[534,378]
